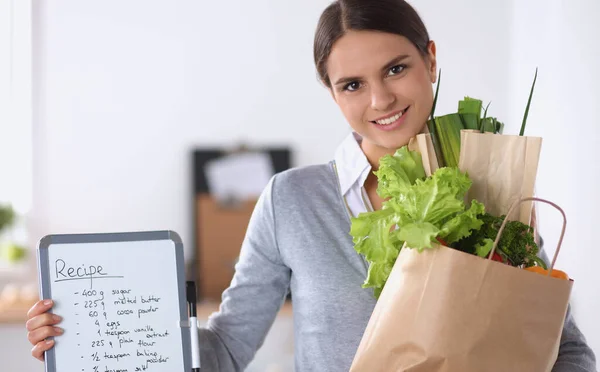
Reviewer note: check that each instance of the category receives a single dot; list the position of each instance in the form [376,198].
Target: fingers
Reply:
[40,348]
[40,334]
[40,307]
[46,319]
[41,325]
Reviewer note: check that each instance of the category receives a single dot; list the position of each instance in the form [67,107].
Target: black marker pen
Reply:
[191,300]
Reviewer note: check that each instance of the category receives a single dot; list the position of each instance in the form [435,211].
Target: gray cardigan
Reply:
[298,240]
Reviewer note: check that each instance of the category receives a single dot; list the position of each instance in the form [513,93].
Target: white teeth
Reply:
[389,121]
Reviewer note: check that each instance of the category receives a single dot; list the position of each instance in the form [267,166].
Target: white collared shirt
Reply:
[353,167]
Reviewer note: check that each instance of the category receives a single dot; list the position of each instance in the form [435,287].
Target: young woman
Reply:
[379,64]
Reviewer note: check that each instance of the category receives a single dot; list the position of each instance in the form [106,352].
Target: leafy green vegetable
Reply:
[463,224]
[397,173]
[371,235]
[372,238]
[418,210]
[483,248]
[516,246]
[418,235]
[421,211]
[435,207]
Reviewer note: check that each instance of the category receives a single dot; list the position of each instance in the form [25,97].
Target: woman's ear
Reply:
[431,54]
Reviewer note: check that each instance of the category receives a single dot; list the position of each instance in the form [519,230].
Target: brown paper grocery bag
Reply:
[423,144]
[503,169]
[443,310]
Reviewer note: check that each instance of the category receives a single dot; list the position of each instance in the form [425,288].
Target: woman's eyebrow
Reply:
[345,80]
[393,62]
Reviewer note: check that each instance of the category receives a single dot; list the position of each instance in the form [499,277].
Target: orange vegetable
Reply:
[555,273]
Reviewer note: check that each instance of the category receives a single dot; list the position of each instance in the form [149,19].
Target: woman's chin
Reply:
[402,138]
[396,141]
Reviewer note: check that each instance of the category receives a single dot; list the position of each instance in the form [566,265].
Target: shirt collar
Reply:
[351,162]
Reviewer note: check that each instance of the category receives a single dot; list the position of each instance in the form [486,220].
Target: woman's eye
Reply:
[397,69]
[352,86]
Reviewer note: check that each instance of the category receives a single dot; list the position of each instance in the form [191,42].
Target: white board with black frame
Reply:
[122,297]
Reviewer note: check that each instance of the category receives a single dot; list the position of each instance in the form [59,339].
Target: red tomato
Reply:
[497,257]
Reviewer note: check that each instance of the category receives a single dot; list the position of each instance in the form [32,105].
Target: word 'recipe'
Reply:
[64,272]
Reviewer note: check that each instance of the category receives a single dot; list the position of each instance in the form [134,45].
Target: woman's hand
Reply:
[41,325]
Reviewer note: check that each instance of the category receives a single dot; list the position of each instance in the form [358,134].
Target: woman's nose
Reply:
[382,98]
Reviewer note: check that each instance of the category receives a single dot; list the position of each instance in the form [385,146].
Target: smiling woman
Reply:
[378,63]
[382,84]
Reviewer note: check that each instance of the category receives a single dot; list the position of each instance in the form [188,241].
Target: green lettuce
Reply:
[372,238]
[417,211]
[397,173]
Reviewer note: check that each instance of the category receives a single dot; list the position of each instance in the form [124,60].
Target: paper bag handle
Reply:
[562,233]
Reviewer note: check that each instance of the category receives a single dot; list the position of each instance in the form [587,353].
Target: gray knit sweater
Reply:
[298,240]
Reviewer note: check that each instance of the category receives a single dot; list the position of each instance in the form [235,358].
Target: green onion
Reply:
[482,123]
[528,104]
[431,124]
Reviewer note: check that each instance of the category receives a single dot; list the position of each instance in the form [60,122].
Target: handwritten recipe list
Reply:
[112,322]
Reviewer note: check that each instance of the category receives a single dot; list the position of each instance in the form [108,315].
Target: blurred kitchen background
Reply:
[114,114]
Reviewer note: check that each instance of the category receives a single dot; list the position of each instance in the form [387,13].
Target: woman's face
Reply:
[382,84]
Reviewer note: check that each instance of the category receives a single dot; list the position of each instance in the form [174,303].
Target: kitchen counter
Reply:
[15,315]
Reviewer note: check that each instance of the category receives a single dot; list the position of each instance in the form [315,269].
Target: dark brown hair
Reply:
[391,16]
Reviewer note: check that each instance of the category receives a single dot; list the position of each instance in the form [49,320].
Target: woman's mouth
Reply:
[392,121]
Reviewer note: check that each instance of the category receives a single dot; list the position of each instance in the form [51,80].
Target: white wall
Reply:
[126,89]
[15,103]
[472,47]
[561,39]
